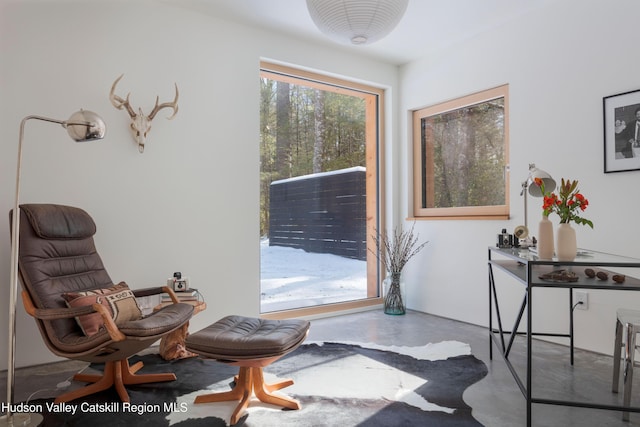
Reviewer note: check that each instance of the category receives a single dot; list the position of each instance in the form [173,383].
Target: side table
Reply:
[527,270]
[172,345]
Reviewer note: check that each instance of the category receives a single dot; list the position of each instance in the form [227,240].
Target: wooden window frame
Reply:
[374,101]
[420,161]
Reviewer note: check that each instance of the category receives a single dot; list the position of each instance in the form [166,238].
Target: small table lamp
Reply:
[534,190]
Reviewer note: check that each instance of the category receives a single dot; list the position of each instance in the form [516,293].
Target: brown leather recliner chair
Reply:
[58,258]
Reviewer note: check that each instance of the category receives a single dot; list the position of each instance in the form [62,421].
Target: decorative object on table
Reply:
[567,204]
[506,240]
[618,278]
[622,132]
[591,273]
[192,294]
[82,126]
[567,242]
[559,276]
[141,123]
[545,238]
[535,191]
[520,233]
[178,283]
[357,22]
[394,253]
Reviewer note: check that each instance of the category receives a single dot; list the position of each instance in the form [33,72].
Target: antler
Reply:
[173,105]
[140,124]
[120,103]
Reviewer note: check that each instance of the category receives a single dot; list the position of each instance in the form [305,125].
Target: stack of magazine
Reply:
[183,296]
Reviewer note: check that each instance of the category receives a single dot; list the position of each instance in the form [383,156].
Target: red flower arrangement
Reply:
[568,204]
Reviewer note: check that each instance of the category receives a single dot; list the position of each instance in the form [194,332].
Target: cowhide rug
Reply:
[338,384]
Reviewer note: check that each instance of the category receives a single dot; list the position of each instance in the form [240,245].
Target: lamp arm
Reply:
[16,217]
[526,222]
[13,283]
[95,130]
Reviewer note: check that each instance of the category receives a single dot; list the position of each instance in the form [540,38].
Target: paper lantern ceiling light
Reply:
[356,21]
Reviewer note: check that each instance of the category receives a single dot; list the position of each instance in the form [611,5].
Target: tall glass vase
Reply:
[393,294]
[566,245]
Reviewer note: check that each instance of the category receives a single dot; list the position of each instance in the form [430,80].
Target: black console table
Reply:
[526,268]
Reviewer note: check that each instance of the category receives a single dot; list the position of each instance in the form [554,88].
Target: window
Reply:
[320,138]
[460,153]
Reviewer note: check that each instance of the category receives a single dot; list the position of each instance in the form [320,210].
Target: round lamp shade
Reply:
[356,21]
[549,182]
[85,125]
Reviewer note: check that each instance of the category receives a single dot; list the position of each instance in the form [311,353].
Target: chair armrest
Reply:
[155,291]
[172,295]
[147,292]
[109,323]
[66,313]
[53,313]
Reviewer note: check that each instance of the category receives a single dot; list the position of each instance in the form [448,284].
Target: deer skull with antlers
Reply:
[141,124]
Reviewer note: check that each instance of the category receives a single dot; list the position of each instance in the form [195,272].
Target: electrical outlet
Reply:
[581,297]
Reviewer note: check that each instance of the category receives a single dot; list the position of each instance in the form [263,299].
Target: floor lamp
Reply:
[82,126]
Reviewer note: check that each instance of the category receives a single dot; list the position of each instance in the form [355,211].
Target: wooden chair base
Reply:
[117,374]
[250,381]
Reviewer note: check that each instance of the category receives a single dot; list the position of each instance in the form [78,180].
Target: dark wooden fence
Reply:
[324,213]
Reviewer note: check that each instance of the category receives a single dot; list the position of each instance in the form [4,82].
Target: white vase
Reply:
[545,238]
[566,245]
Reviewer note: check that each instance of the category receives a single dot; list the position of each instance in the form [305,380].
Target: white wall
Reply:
[559,63]
[190,202]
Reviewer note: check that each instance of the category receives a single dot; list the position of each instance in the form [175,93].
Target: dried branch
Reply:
[394,253]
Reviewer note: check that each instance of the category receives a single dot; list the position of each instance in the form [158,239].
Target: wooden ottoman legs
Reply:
[250,381]
[251,344]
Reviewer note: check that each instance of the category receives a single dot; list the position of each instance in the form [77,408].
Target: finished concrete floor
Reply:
[496,400]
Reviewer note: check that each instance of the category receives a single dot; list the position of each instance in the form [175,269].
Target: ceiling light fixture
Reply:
[356,21]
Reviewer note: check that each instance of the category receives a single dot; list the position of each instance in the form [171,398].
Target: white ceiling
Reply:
[427,26]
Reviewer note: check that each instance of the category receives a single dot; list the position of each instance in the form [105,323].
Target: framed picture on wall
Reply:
[622,132]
